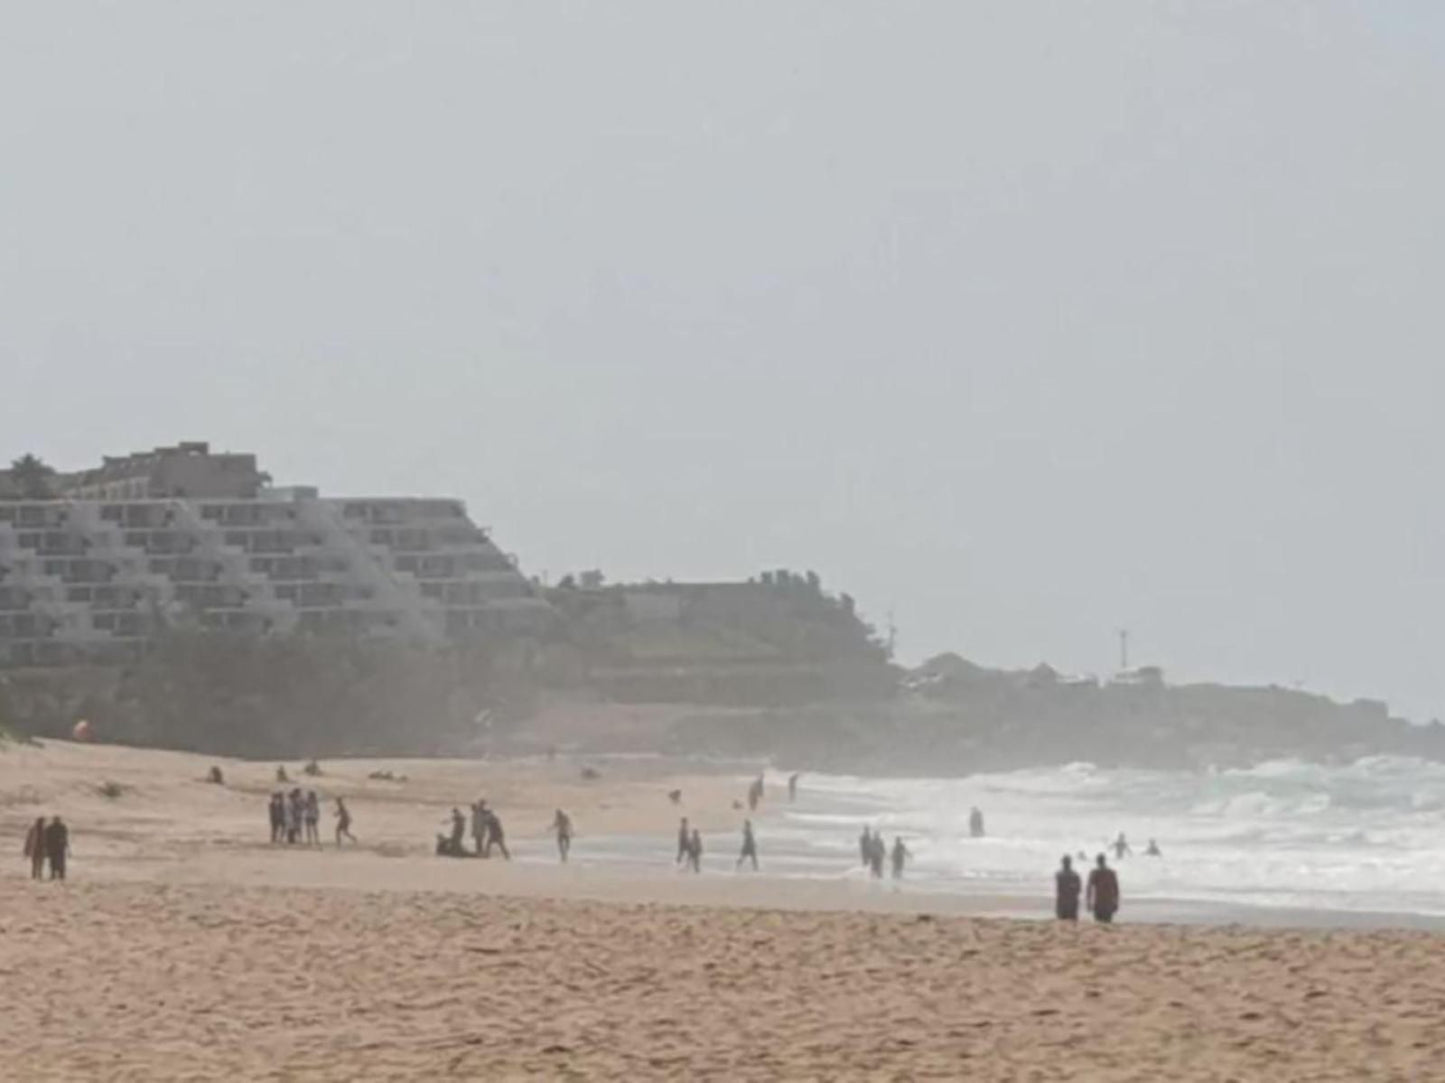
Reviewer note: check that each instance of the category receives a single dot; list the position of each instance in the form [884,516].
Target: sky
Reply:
[1022,322]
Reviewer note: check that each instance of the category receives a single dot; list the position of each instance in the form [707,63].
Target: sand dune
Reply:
[184,948]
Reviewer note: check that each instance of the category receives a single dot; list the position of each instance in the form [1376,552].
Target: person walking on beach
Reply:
[562,824]
[1103,894]
[343,823]
[1066,892]
[496,836]
[35,848]
[684,840]
[750,847]
[694,851]
[57,847]
[313,819]
[900,855]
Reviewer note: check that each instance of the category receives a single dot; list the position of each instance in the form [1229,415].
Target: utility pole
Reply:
[1123,650]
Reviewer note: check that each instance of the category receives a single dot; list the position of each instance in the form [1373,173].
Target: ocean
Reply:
[1368,836]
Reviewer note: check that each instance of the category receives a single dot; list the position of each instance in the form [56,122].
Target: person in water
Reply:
[684,840]
[877,855]
[975,822]
[562,824]
[865,847]
[750,847]
[57,847]
[900,855]
[343,822]
[1067,887]
[1152,850]
[1103,894]
[35,848]
[1121,847]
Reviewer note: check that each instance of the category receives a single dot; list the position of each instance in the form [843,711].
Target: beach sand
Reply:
[186,947]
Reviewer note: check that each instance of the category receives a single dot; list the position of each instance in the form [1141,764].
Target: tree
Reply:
[32,479]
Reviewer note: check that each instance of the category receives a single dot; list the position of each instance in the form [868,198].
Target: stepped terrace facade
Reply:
[181,537]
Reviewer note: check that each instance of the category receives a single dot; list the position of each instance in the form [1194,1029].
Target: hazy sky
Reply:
[1026,321]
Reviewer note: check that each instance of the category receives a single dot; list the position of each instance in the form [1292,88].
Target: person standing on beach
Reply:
[793,787]
[1103,895]
[562,824]
[684,840]
[865,846]
[975,822]
[694,851]
[877,855]
[479,825]
[278,816]
[1066,892]
[459,832]
[750,847]
[57,847]
[313,819]
[343,822]
[35,848]
[900,856]
[295,816]
[1121,847]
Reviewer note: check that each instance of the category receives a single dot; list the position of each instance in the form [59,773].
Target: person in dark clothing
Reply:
[1103,895]
[865,846]
[57,847]
[313,819]
[900,856]
[793,786]
[1121,848]
[684,840]
[562,824]
[35,848]
[1066,892]
[975,822]
[750,847]
[496,836]
[694,851]
[479,826]
[1152,850]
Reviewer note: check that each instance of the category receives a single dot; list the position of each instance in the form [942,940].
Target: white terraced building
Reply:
[94,578]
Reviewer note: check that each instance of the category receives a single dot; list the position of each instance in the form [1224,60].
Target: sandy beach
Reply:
[184,946]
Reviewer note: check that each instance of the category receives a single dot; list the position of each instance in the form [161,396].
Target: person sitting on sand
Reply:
[35,848]
[1066,891]
[1121,847]
[496,836]
[562,824]
[694,851]
[675,796]
[1152,850]
[313,819]
[750,847]
[900,855]
[57,847]
[343,822]
[1103,896]
[684,840]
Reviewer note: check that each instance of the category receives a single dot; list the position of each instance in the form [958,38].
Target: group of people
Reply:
[874,851]
[689,847]
[1101,897]
[47,842]
[296,818]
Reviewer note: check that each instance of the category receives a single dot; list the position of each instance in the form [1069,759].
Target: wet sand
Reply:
[185,946]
